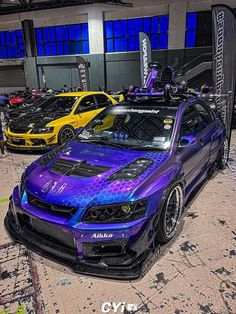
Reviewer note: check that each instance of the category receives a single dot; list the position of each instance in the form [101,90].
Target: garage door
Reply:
[12,76]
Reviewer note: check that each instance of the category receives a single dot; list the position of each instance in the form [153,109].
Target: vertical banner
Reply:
[145,56]
[224,65]
[83,73]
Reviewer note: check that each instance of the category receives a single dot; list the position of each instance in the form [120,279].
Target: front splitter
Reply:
[68,257]
[30,148]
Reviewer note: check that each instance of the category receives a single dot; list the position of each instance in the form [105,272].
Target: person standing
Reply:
[4,101]
[4,104]
[64,89]
[2,150]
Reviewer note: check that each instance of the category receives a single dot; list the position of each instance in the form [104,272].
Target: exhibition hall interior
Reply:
[117,156]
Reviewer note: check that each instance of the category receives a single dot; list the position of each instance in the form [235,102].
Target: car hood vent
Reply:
[77,168]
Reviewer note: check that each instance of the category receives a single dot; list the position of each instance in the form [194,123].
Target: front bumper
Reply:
[117,259]
[28,142]
[22,148]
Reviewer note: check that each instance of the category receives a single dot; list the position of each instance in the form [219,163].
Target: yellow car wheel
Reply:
[65,134]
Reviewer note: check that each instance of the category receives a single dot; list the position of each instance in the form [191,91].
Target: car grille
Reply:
[18,131]
[77,169]
[52,233]
[59,210]
[17,141]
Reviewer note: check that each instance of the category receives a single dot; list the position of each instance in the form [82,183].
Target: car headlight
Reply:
[42,130]
[116,213]
[132,171]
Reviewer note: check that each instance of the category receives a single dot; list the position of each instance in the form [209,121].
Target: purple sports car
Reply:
[103,201]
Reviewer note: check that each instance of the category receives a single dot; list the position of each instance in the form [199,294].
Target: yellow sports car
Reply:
[55,121]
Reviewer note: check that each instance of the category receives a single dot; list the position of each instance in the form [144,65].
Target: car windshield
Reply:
[55,104]
[141,128]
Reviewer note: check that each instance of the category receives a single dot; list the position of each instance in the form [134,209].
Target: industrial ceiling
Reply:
[16,6]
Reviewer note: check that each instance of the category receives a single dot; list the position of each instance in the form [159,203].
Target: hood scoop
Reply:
[77,168]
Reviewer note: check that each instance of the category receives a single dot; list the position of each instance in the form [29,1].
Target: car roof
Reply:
[79,94]
[174,103]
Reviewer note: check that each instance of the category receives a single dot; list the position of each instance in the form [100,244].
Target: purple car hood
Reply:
[54,187]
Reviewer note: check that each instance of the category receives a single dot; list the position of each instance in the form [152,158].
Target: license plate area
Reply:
[18,141]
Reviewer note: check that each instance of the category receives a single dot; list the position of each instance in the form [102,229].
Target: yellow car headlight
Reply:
[42,130]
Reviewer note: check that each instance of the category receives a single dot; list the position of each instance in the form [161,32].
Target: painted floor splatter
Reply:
[195,273]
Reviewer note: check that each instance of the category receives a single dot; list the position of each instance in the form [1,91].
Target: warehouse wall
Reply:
[111,70]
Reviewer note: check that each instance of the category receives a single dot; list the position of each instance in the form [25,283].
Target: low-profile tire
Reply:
[222,158]
[170,214]
[66,133]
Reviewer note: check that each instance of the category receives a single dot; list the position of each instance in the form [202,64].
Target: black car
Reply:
[27,108]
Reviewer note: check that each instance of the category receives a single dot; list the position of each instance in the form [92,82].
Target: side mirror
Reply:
[187,140]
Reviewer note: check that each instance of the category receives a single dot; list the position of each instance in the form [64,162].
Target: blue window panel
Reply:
[61,33]
[85,46]
[66,48]
[60,48]
[74,32]
[109,45]
[19,33]
[49,34]
[163,41]
[39,35]
[120,28]
[108,29]
[125,36]
[131,27]
[190,39]
[46,34]
[21,48]
[120,44]
[10,38]
[147,25]
[133,43]
[58,31]
[20,40]
[154,41]
[84,31]
[65,33]
[12,51]
[191,23]
[3,52]
[138,25]
[21,53]
[41,50]
[75,47]
[51,49]
[12,44]
[164,23]
[2,38]
[155,22]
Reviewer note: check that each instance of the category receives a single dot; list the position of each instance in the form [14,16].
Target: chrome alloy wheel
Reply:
[174,207]
[66,135]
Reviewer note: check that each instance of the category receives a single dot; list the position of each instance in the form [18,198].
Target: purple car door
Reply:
[195,154]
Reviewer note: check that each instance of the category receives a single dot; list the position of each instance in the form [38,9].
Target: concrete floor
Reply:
[194,274]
